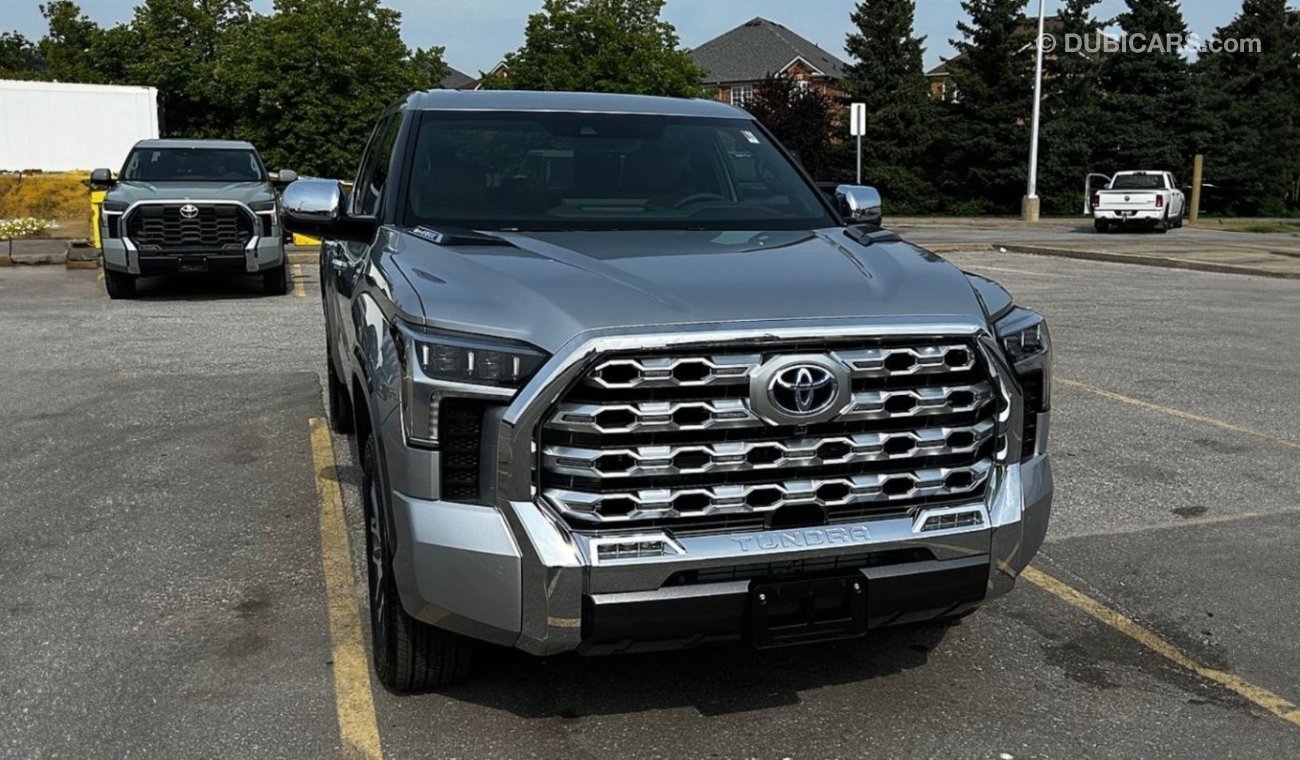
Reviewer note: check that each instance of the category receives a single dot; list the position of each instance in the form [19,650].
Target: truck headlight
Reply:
[438,365]
[267,212]
[1027,344]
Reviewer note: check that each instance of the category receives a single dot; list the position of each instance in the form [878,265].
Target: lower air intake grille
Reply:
[1032,385]
[460,436]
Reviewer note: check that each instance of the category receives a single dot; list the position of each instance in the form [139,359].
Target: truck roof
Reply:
[582,102]
[200,144]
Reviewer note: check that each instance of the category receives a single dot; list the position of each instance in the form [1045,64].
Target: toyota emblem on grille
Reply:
[189,211]
[800,389]
[803,389]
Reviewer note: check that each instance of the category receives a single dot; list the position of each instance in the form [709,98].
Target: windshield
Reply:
[193,165]
[575,171]
[1139,182]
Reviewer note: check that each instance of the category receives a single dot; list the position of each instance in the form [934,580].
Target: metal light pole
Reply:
[1030,209]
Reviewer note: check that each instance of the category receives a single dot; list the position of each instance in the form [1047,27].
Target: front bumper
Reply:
[260,254]
[461,567]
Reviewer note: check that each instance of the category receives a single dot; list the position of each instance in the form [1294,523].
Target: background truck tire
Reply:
[409,655]
[1163,225]
[275,282]
[119,284]
[1102,226]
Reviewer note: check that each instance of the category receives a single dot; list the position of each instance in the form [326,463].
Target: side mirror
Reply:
[284,176]
[101,179]
[315,207]
[860,204]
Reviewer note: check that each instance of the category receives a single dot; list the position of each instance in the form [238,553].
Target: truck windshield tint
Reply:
[577,171]
[1139,182]
[193,165]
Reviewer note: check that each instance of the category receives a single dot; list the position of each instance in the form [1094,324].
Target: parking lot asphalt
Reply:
[163,592]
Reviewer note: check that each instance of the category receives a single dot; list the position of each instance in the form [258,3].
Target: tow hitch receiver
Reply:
[797,612]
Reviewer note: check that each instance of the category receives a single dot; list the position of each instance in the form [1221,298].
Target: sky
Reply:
[477,32]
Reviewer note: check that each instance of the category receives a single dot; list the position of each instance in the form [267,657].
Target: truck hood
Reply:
[245,192]
[545,288]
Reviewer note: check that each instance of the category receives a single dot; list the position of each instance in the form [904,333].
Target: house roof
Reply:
[760,47]
[455,79]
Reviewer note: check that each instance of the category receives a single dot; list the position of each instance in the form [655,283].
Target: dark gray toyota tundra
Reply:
[622,378]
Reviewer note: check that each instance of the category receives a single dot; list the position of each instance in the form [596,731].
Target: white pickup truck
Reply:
[1148,198]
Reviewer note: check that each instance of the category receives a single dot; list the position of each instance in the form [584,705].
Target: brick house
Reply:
[738,60]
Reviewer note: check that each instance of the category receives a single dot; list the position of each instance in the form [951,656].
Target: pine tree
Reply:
[985,140]
[887,75]
[1153,104]
[1071,108]
[1256,147]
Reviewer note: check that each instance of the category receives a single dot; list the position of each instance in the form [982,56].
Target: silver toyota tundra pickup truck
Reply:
[191,206]
[622,378]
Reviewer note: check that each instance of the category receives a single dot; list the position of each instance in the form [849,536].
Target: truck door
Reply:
[345,262]
[1089,185]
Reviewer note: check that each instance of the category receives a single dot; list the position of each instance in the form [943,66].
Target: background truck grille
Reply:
[215,227]
[672,440]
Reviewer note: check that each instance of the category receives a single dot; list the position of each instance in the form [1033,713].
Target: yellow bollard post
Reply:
[96,202]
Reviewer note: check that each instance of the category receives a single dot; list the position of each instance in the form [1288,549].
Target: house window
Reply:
[802,85]
[741,94]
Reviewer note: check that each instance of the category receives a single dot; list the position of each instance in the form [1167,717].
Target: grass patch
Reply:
[1245,225]
[44,196]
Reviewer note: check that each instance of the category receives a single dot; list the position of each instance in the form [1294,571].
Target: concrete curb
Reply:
[1150,261]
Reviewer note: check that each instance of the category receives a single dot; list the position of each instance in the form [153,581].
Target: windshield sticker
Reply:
[749,136]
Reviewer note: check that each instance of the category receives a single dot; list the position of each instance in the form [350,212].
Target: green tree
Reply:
[887,74]
[174,47]
[1256,146]
[802,118]
[1071,109]
[76,49]
[1153,105]
[308,81]
[20,58]
[601,46]
[984,141]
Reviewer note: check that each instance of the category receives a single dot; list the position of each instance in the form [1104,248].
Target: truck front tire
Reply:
[119,284]
[275,282]
[409,655]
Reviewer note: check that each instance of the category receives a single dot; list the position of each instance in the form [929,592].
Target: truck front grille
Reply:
[675,440]
[212,227]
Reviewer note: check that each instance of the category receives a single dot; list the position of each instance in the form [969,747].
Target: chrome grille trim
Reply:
[667,503]
[736,412]
[734,369]
[673,371]
[924,360]
[735,456]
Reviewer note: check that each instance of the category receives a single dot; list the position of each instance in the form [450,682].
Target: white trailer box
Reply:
[54,127]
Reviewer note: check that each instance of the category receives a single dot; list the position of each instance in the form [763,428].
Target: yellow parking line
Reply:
[298,289]
[1266,699]
[1178,413]
[353,698]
